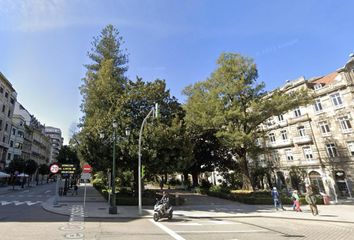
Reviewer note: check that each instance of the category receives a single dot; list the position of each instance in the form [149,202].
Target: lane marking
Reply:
[3,203]
[167,230]
[48,191]
[237,231]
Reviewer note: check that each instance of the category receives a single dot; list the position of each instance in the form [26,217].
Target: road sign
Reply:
[67,168]
[86,168]
[85,176]
[54,168]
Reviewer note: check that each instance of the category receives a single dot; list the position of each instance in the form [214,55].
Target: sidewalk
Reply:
[196,206]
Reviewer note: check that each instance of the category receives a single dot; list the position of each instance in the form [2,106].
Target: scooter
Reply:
[160,213]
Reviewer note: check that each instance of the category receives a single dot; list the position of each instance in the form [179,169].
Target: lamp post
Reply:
[154,111]
[113,205]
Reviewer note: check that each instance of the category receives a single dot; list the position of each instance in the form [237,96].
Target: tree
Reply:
[103,92]
[232,103]
[43,169]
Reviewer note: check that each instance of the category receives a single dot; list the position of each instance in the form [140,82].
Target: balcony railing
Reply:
[302,139]
[280,143]
[301,118]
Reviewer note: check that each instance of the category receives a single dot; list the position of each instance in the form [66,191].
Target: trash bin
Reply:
[326,199]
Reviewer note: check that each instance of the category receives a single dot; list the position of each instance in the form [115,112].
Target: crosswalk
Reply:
[19,203]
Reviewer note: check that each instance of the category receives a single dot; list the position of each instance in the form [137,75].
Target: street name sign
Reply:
[67,168]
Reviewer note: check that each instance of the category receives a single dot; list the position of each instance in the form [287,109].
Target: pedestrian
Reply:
[296,198]
[75,189]
[276,199]
[311,200]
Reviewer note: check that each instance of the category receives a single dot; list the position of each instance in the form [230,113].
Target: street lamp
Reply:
[113,206]
[154,111]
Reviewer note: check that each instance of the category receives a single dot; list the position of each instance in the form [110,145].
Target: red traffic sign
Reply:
[86,168]
[54,168]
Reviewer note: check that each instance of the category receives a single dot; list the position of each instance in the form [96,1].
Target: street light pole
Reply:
[155,111]
[113,207]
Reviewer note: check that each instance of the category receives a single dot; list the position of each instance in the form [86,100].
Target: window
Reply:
[317,86]
[318,105]
[280,118]
[6,126]
[331,150]
[336,100]
[272,137]
[3,139]
[297,112]
[9,113]
[13,131]
[284,135]
[0,124]
[289,155]
[345,124]
[351,148]
[275,156]
[324,128]
[11,143]
[308,153]
[8,156]
[6,94]
[12,101]
[1,90]
[3,108]
[301,131]
[20,133]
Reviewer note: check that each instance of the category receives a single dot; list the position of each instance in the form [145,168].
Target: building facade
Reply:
[8,97]
[316,142]
[56,140]
[16,138]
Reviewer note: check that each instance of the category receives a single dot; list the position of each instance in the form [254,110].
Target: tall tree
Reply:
[103,91]
[232,103]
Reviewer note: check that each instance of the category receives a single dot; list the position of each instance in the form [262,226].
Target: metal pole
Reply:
[113,208]
[56,192]
[85,194]
[139,162]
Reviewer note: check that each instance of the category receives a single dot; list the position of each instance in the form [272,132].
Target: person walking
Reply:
[311,200]
[296,198]
[75,189]
[276,199]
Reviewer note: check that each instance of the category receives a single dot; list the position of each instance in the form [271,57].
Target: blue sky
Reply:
[44,43]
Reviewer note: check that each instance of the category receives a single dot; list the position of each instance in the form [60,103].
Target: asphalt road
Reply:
[22,217]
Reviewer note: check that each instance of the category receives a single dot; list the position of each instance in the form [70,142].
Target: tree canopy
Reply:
[233,104]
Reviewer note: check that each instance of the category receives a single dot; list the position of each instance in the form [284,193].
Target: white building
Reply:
[56,140]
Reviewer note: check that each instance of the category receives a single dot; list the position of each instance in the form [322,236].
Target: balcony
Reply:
[302,139]
[280,143]
[302,118]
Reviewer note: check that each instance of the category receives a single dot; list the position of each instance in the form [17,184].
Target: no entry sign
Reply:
[86,168]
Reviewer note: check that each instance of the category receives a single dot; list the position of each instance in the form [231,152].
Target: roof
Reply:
[330,78]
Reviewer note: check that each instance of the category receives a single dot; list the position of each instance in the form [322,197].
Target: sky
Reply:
[44,44]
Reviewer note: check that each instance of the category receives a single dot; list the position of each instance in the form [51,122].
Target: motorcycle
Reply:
[159,211]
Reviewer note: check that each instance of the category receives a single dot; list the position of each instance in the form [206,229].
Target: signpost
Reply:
[86,175]
[54,168]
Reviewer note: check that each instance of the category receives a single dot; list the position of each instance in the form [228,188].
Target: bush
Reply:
[174,182]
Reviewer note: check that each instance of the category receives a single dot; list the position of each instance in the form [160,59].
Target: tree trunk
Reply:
[246,179]
[195,179]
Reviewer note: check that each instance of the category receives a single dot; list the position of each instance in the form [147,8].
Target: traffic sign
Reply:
[86,168]
[54,168]
[68,168]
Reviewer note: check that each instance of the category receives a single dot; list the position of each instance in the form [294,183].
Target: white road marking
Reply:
[17,203]
[188,224]
[237,231]
[167,230]
[3,203]
[29,203]
[48,191]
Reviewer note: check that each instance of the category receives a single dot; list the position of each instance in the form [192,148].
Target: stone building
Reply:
[316,142]
[8,97]
[54,134]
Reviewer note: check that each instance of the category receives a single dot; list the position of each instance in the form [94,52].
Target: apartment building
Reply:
[56,140]
[318,139]
[8,97]
[16,138]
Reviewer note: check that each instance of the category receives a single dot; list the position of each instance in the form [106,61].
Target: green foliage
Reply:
[17,164]
[43,169]
[30,167]
[232,103]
